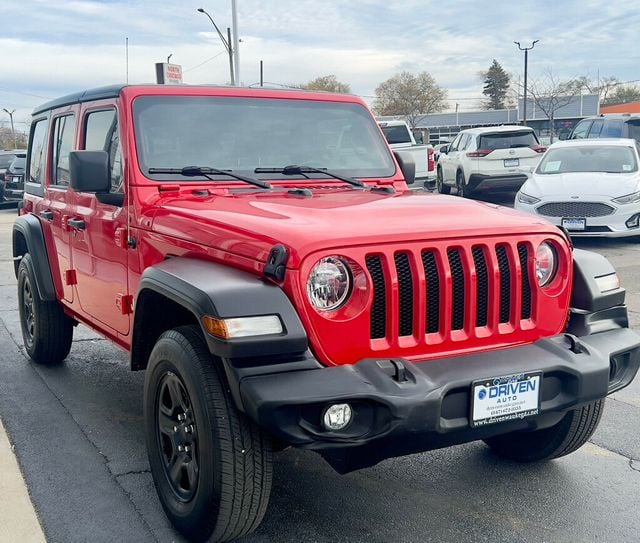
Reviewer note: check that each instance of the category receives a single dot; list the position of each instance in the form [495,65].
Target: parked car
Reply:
[487,160]
[608,126]
[6,158]
[272,303]
[13,183]
[588,187]
[400,137]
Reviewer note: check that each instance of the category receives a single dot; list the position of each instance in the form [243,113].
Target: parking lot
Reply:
[78,435]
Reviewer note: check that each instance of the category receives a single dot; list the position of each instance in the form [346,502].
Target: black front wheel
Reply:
[563,438]
[47,332]
[442,188]
[211,465]
[463,190]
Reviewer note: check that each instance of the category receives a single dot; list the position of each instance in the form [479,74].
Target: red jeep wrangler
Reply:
[258,253]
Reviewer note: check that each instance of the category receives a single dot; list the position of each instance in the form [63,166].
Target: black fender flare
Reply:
[29,227]
[209,288]
[594,311]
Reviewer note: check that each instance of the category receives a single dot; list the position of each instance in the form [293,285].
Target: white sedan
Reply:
[589,187]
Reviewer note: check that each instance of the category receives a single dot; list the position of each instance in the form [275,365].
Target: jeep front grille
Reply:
[575,209]
[436,291]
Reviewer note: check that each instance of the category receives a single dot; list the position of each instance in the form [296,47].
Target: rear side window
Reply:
[64,135]
[101,134]
[396,134]
[580,131]
[596,128]
[38,155]
[612,129]
[507,140]
[634,130]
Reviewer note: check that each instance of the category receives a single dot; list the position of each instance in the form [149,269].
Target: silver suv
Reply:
[488,159]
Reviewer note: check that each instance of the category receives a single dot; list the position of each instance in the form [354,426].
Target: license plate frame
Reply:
[519,397]
[511,162]
[574,224]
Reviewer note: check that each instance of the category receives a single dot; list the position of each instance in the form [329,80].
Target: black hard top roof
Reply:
[100,93]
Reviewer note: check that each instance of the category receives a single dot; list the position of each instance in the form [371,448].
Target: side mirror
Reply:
[444,150]
[563,136]
[89,171]
[407,165]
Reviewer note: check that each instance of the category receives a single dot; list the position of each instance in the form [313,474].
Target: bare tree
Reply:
[410,96]
[603,87]
[551,93]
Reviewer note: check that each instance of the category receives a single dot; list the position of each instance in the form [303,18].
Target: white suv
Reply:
[488,159]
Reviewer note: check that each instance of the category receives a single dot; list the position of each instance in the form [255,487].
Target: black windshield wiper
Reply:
[205,171]
[294,169]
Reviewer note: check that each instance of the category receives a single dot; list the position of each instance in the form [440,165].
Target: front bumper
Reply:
[431,408]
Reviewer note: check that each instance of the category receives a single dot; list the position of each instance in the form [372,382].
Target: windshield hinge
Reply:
[276,265]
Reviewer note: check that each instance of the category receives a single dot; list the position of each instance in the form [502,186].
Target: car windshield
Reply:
[591,158]
[18,163]
[6,160]
[242,134]
[507,140]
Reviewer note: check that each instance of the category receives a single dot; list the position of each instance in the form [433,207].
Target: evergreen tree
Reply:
[496,86]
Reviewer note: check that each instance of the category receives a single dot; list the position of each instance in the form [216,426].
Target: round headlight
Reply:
[329,284]
[545,263]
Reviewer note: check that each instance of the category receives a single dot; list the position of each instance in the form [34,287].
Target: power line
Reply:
[203,62]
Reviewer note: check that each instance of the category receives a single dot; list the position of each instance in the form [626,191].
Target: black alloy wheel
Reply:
[177,436]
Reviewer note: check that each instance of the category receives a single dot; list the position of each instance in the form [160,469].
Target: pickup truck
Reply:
[400,137]
[280,290]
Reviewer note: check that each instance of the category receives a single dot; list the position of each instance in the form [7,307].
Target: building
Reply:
[444,126]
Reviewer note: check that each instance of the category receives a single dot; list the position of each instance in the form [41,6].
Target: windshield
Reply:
[507,140]
[18,163]
[242,134]
[606,158]
[5,160]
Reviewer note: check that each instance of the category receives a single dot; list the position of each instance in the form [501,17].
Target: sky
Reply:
[53,47]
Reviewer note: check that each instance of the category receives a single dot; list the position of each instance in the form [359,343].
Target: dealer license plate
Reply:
[501,399]
[511,162]
[574,224]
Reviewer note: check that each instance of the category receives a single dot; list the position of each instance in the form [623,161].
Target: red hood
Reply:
[249,224]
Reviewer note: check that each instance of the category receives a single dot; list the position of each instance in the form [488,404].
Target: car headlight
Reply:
[329,284]
[545,263]
[526,199]
[628,199]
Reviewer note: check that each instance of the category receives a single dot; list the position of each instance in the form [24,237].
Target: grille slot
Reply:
[523,255]
[379,307]
[492,285]
[575,209]
[505,283]
[458,289]
[482,286]
[405,288]
[433,291]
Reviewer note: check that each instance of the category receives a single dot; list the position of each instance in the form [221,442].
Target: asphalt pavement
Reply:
[77,432]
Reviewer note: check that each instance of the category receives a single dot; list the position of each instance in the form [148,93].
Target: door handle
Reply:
[78,224]
[47,215]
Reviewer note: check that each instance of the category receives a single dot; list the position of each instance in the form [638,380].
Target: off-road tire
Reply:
[47,332]
[234,458]
[442,188]
[565,437]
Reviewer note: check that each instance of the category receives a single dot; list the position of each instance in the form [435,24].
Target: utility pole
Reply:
[236,49]
[13,132]
[526,56]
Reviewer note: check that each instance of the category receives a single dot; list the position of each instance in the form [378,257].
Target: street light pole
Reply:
[236,49]
[13,132]
[226,43]
[526,56]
